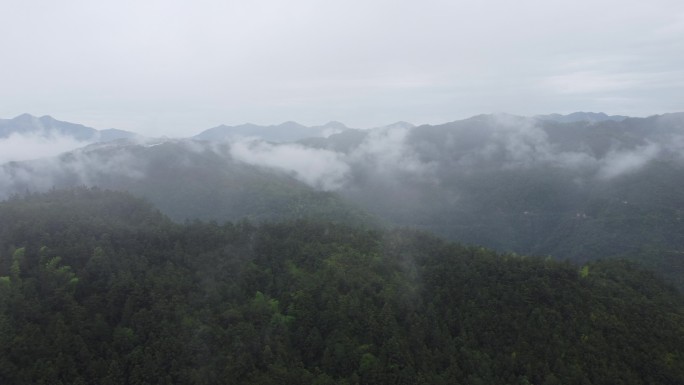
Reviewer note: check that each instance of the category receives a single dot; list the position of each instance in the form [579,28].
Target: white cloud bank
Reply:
[317,167]
[19,147]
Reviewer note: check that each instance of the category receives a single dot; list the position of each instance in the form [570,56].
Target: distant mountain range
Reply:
[284,132]
[582,117]
[184,178]
[583,189]
[99,278]
[47,126]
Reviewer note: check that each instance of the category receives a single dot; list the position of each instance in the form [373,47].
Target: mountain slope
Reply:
[580,190]
[97,287]
[186,179]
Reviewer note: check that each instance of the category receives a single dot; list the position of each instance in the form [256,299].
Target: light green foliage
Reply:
[263,303]
[17,259]
[53,263]
[584,271]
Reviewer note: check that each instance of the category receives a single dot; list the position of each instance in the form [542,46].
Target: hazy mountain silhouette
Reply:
[284,132]
[47,126]
[580,190]
[581,117]
[185,179]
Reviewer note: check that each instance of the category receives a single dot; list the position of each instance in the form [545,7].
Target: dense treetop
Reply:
[99,287]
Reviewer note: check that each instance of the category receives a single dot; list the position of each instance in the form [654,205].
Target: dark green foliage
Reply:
[98,287]
[579,190]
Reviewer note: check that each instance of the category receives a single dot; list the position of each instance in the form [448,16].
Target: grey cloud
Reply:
[18,147]
[317,167]
[90,166]
[400,155]
[387,151]
[384,153]
[617,163]
[79,167]
[522,140]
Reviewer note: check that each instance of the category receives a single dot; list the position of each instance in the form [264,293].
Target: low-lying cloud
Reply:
[387,150]
[83,166]
[319,168]
[503,142]
[18,147]
[617,163]
[390,157]
[383,153]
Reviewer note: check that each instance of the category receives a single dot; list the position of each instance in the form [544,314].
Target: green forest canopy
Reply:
[99,287]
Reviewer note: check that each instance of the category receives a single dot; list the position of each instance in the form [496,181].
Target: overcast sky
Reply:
[175,68]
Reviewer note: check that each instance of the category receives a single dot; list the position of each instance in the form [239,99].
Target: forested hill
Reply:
[98,287]
[583,186]
[186,180]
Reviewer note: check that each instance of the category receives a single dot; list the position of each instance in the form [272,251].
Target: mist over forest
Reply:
[330,254]
[342,192]
[569,186]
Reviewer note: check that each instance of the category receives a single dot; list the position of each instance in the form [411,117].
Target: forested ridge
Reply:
[581,187]
[100,287]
